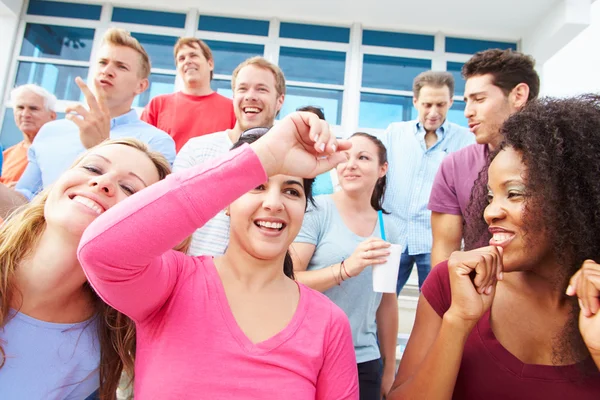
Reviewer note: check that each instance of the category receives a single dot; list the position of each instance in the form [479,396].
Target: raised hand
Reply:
[300,145]
[585,284]
[370,252]
[93,123]
[473,278]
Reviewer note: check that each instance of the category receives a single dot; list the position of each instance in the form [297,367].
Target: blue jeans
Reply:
[407,261]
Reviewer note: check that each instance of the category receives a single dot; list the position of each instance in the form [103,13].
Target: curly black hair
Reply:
[559,143]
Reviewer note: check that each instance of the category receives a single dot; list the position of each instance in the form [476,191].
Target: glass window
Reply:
[398,40]
[159,84]
[456,114]
[228,55]
[314,32]
[222,87]
[147,17]
[395,73]
[233,25]
[317,66]
[329,100]
[57,79]
[379,110]
[471,46]
[159,48]
[51,41]
[10,134]
[60,9]
[455,69]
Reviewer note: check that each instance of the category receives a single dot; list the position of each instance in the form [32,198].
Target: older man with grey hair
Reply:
[33,106]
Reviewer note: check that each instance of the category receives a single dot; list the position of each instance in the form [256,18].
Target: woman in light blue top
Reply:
[339,241]
[58,340]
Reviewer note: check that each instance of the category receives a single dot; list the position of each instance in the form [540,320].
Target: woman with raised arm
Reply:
[340,239]
[58,340]
[496,322]
[236,326]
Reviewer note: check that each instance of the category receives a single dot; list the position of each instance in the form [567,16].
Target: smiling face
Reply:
[505,214]
[118,71]
[193,66]
[266,220]
[432,105]
[255,98]
[105,176]
[361,171]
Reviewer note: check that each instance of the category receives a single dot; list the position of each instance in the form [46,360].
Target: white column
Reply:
[10,16]
[351,98]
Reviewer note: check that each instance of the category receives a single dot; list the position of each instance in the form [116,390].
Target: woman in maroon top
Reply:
[496,322]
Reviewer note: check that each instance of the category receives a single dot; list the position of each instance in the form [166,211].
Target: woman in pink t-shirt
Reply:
[236,326]
[500,322]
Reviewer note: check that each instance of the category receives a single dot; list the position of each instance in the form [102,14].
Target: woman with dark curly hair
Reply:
[496,322]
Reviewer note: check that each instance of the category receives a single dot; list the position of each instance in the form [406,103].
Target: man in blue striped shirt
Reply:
[415,152]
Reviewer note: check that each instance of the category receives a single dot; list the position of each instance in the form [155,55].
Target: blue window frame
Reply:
[148,17]
[59,42]
[329,100]
[228,55]
[233,25]
[317,66]
[398,40]
[394,73]
[66,10]
[456,113]
[314,32]
[455,69]
[159,48]
[57,79]
[380,110]
[159,84]
[471,46]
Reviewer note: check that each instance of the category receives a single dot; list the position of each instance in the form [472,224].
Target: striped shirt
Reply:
[212,239]
[412,169]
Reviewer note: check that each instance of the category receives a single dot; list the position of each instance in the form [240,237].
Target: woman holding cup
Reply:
[339,239]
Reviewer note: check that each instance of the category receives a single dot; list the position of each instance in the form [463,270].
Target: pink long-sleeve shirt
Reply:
[189,344]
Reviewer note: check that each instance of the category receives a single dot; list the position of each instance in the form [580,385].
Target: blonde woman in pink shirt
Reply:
[233,327]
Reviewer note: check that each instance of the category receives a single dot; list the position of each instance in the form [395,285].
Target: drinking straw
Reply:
[381,227]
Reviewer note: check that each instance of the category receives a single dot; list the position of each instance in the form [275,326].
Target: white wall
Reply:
[575,68]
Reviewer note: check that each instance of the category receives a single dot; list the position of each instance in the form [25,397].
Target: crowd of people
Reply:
[243,268]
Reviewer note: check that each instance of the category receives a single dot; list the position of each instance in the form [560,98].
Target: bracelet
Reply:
[343,266]
[341,275]
[334,277]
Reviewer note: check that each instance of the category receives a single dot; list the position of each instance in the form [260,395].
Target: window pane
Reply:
[57,79]
[455,69]
[159,84]
[147,17]
[233,25]
[314,32]
[61,9]
[398,40]
[222,87]
[471,46]
[457,114]
[159,48]
[379,110]
[51,41]
[395,73]
[329,100]
[318,66]
[10,134]
[228,55]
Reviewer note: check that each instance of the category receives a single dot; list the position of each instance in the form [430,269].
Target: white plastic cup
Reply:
[385,276]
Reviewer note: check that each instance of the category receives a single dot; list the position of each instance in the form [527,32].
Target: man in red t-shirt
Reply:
[196,110]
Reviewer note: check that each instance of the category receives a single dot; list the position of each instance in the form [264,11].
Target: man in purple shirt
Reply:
[498,84]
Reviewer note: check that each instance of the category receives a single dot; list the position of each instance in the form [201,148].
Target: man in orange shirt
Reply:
[33,106]
[196,110]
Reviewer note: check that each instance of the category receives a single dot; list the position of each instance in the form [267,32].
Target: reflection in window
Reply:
[50,41]
[228,55]
[159,84]
[379,110]
[10,134]
[395,73]
[159,48]
[317,66]
[455,69]
[57,79]
[222,87]
[329,100]
[233,25]
[456,114]
[314,32]
[64,9]
[148,17]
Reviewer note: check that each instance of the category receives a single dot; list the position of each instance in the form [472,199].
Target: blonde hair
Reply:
[19,236]
[263,63]
[190,42]
[120,37]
